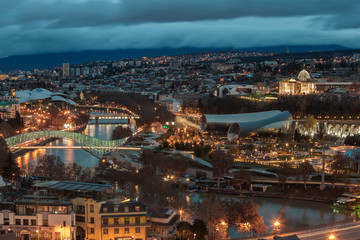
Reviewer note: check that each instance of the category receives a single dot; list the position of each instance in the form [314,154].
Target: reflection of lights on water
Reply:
[187,199]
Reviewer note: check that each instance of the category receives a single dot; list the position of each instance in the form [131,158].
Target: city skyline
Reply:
[37,26]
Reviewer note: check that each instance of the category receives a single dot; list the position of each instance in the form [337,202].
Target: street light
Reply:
[332,236]
[181,211]
[276,226]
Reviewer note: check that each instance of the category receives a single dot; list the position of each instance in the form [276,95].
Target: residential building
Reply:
[9,105]
[66,70]
[163,223]
[42,217]
[114,219]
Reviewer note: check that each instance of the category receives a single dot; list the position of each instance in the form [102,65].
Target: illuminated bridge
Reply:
[91,144]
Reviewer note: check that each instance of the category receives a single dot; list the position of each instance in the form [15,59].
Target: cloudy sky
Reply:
[43,26]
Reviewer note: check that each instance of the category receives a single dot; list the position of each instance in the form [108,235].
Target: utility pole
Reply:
[322,186]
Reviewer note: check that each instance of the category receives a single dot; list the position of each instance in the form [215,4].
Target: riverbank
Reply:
[312,195]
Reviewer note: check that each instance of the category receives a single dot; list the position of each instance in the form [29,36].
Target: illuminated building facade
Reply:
[302,86]
[112,219]
[39,217]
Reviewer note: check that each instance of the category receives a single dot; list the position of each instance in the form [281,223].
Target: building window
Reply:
[105,231]
[127,230]
[116,231]
[33,222]
[105,209]
[25,222]
[127,221]
[45,222]
[92,230]
[18,221]
[137,208]
[105,221]
[116,221]
[64,223]
[137,220]
[92,220]
[137,230]
[126,209]
[91,208]
[116,209]
[6,221]
[58,236]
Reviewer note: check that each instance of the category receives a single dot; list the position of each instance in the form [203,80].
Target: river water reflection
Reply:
[84,159]
[293,214]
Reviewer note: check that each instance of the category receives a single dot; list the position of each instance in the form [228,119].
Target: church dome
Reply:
[304,75]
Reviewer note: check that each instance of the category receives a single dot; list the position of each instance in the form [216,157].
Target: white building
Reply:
[39,217]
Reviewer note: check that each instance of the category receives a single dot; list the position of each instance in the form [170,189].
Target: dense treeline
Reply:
[297,105]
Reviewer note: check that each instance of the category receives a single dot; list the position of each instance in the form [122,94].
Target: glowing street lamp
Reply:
[332,236]
[276,226]
[181,212]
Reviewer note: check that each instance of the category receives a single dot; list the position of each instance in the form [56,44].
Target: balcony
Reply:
[119,225]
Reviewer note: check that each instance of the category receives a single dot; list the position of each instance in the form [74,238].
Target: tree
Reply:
[50,166]
[340,167]
[6,130]
[304,170]
[120,132]
[240,177]
[284,172]
[10,169]
[184,231]
[221,162]
[166,144]
[246,218]
[212,211]
[199,228]
[233,150]
[4,151]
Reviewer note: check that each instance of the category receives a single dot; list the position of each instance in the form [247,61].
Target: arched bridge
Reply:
[89,143]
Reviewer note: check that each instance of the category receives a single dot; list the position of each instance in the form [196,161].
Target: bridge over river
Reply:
[92,144]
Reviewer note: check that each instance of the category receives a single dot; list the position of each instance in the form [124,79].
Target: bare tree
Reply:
[284,172]
[212,211]
[305,170]
[221,162]
[240,177]
[340,167]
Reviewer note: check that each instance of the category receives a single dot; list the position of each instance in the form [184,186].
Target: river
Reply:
[295,214]
[84,159]
[292,214]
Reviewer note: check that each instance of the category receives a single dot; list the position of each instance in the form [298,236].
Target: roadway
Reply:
[346,231]
[342,233]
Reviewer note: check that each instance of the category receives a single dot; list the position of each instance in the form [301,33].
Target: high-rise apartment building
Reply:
[66,70]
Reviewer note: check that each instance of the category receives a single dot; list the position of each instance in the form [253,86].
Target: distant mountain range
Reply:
[49,60]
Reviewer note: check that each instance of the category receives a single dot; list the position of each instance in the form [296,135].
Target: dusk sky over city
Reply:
[179,119]
[46,26]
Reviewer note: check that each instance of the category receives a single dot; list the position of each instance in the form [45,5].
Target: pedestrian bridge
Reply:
[89,143]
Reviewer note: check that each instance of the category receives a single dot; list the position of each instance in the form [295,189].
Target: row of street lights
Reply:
[277,230]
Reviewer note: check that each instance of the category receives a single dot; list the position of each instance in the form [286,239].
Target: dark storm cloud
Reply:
[99,12]
[34,26]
